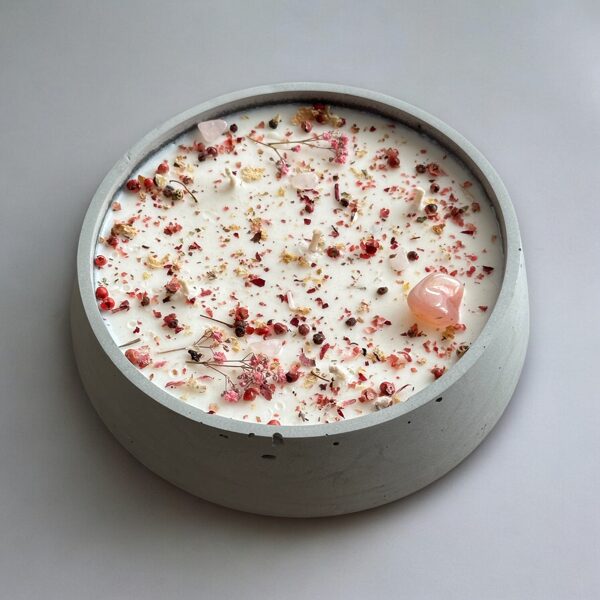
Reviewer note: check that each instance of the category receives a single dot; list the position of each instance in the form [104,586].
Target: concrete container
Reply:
[315,470]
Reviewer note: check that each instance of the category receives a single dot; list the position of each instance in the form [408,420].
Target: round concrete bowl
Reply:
[315,470]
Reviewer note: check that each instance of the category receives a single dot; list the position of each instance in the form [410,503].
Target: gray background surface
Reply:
[81,82]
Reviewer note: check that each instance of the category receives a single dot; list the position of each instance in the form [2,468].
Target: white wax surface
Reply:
[219,274]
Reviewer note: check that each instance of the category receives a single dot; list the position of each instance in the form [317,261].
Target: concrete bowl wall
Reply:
[314,470]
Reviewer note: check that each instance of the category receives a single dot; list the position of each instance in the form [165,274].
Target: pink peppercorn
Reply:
[386,388]
[368,395]
[107,304]
[280,328]
[437,372]
[100,260]
[101,292]
[273,422]
[163,167]
[303,329]
[133,185]
[371,247]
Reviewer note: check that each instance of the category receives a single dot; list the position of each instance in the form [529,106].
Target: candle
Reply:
[297,264]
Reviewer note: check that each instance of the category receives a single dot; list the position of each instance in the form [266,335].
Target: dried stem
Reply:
[197,344]
[217,321]
[130,343]
[187,189]
[279,155]
[319,376]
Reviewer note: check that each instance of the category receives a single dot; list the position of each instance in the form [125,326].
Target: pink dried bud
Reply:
[231,396]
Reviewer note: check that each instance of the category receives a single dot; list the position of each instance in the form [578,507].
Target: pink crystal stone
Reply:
[305,181]
[212,130]
[436,300]
[271,348]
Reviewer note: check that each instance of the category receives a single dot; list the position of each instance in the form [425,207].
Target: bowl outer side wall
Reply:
[310,476]
[380,457]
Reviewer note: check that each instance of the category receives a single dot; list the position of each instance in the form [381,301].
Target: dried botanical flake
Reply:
[287,257]
[194,384]
[250,174]
[146,275]
[309,114]
[340,374]
[364,306]
[310,380]
[303,262]
[124,229]
[154,262]
[449,333]
[382,403]
[185,286]
[241,271]
[281,192]
[179,161]
[462,349]
[316,241]
[361,174]
[160,181]
[377,355]
[302,310]
[304,113]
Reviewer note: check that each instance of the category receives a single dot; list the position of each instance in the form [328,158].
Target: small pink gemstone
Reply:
[398,260]
[270,348]
[436,299]
[212,130]
[305,181]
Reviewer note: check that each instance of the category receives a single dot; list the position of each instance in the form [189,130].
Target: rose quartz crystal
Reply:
[212,130]
[304,181]
[436,300]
